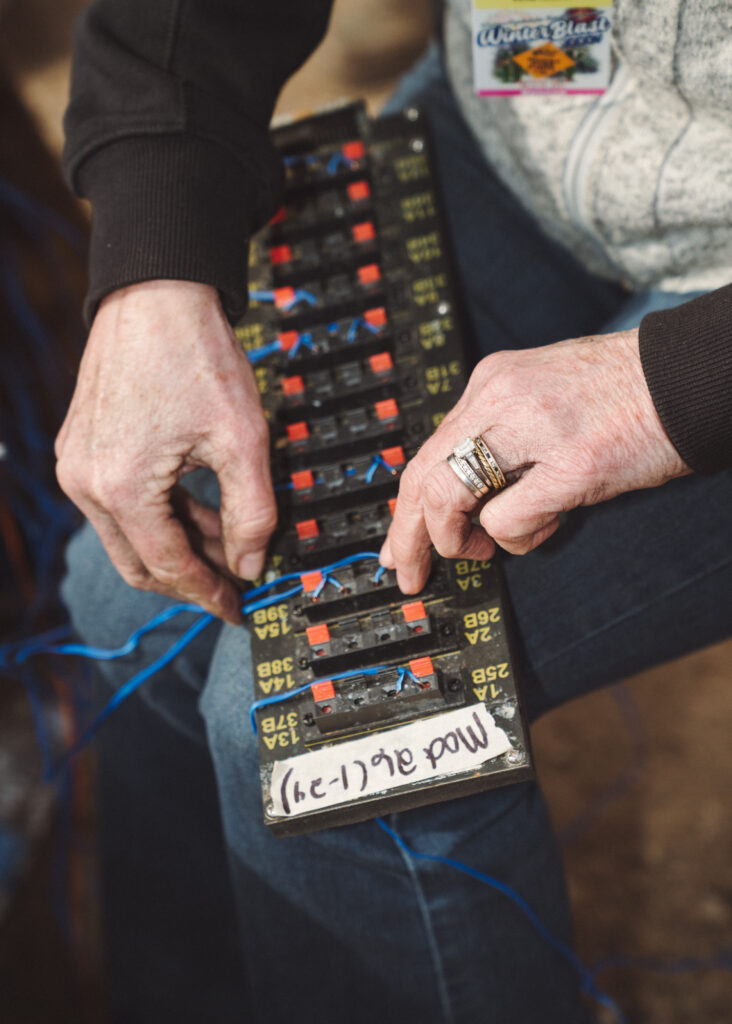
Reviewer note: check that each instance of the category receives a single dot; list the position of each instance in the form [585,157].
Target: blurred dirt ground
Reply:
[650,874]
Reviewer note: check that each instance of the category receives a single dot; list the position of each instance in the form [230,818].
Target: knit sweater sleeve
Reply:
[686,355]
[167,133]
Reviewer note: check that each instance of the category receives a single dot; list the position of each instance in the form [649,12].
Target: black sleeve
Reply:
[687,359]
[166,133]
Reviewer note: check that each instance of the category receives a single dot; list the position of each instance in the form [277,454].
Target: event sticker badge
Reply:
[523,46]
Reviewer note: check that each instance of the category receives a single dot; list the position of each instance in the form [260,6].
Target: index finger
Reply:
[407,546]
[161,543]
[449,508]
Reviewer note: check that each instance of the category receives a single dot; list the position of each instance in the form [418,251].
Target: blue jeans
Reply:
[211,918]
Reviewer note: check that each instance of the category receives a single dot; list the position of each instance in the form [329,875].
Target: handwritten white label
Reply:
[447,744]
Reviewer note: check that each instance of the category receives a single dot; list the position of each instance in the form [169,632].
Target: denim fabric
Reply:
[340,925]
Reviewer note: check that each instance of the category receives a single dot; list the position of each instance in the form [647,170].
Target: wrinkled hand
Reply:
[164,388]
[573,423]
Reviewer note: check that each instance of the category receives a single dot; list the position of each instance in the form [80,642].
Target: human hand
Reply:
[164,388]
[572,423]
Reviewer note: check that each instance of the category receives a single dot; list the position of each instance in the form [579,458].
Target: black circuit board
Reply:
[355,339]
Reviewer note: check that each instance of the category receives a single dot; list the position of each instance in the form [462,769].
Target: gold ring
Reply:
[475,466]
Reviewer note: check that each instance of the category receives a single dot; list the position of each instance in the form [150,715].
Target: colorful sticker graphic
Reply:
[523,48]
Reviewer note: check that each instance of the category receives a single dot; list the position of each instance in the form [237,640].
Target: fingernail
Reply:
[251,565]
[385,555]
[407,585]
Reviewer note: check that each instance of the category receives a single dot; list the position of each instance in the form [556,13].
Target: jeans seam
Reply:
[657,599]
[438,966]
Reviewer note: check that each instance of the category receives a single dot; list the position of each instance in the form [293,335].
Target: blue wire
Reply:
[39,724]
[335,161]
[279,697]
[360,321]
[320,587]
[19,652]
[105,653]
[565,951]
[132,684]
[377,461]
[265,702]
[684,965]
[379,573]
[302,339]
[349,560]
[327,578]
[254,606]
[353,329]
[58,633]
[301,295]
[255,354]
[264,587]
[403,673]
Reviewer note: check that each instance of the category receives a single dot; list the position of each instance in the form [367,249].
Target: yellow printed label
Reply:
[491,673]
[477,625]
[544,60]
[265,669]
[433,333]
[424,248]
[250,335]
[440,379]
[470,576]
[279,730]
[489,690]
[411,168]
[482,618]
[420,206]
[260,373]
[427,290]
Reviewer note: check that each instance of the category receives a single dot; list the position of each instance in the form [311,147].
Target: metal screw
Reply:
[298,611]
[411,114]
[446,629]
[454,685]
[308,719]
[444,308]
[417,145]
[303,662]
[514,756]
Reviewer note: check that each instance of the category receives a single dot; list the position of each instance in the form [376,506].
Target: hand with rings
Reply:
[537,432]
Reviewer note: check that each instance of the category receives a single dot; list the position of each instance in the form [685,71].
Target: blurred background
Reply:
[639,777]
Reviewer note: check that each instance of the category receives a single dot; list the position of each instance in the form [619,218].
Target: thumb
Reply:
[248,506]
[522,516]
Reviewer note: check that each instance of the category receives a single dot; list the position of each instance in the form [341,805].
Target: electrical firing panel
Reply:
[396,700]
